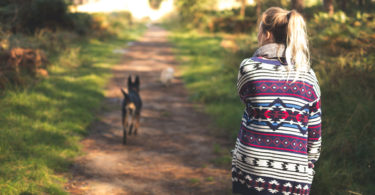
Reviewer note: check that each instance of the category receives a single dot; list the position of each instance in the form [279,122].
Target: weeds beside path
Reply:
[173,151]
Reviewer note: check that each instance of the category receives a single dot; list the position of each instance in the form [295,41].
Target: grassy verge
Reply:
[41,124]
[346,75]
[210,74]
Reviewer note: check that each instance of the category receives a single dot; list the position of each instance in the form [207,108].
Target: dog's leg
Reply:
[131,118]
[124,136]
[131,126]
[137,119]
[124,125]
[131,129]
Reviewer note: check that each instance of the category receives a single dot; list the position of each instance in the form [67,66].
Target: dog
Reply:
[166,76]
[131,108]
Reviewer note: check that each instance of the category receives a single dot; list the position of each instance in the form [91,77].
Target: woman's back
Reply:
[280,128]
[280,135]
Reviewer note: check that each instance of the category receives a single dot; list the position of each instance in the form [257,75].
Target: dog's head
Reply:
[133,86]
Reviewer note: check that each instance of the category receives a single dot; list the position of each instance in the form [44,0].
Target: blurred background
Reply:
[56,55]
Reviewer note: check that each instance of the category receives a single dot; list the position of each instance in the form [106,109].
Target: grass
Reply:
[208,78]
[345,70]
[41,124]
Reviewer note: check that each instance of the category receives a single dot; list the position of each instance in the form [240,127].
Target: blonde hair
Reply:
[288,28]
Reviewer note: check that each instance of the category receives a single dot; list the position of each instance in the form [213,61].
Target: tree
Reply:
[343,5]
[328,6]
[243,8]
[298,5]
[259,7]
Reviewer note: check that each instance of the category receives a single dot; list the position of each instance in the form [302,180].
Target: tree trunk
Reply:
[259,8]
[243,8]
[298,5]
[343,5]
[360,3]
[328,6]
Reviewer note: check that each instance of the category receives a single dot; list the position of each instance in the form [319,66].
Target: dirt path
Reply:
[173,151]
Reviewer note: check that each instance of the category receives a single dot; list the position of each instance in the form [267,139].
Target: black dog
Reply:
[131,108]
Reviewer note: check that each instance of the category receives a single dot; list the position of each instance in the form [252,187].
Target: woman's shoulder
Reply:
[315,83]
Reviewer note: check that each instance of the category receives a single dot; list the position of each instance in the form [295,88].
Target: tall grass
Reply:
[344,63]
[41,124]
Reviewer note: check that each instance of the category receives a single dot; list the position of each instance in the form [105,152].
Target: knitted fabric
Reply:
[280,134]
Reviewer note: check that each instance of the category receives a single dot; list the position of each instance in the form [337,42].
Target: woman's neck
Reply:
[271,50]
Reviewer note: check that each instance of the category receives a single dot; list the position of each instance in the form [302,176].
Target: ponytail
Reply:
[288,28]
[297,50]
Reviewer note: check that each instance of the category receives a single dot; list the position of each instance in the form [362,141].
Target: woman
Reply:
[280,136]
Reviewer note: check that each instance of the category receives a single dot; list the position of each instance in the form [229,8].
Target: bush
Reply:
[192,13]
[112,24]
[346,37]
[232,24]
[18,66]
[81,23]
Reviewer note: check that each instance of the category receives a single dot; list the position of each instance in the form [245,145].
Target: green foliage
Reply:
[232,24]
[113,23]
[192,12]
[346,37]
[82,23]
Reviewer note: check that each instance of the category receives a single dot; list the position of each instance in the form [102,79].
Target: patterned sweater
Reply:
[280,134]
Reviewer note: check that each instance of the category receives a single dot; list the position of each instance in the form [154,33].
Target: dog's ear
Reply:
[130,82]
[124,93]
[137,82]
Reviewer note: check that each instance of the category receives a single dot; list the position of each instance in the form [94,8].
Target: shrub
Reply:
[18,65]
[232,24]
[192,14]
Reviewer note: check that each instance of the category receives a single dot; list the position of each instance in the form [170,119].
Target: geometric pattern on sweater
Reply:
[277,164]
[266,185]
[267,140]
[278,114]
[268,163]
[276,87]
[280,133]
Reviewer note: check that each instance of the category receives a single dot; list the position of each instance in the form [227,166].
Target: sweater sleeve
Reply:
[314,130]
